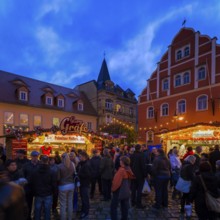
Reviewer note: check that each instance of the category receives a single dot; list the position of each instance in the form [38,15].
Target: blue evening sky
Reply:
[63,41]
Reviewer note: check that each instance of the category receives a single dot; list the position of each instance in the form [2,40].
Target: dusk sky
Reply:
[63,41]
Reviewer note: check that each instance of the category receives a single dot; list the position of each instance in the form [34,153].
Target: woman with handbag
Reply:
[197,192]
[121,189]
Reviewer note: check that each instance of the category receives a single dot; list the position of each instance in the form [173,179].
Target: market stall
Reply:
[202,134]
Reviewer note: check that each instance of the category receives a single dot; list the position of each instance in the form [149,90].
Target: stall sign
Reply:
[72,125]
[64,139]
[203,134]
[18,145]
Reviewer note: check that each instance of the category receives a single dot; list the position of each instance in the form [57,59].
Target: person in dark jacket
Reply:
[214,156]
[84,173]
[21,159]
[95,175]
[187,173]
[13,173]
[139,170]
[28,169]
[197,192]
[43,184]
[106,171]
[161,171]
[12,199]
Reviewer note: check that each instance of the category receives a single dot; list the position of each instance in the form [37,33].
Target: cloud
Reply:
[137,59]
[66,78]
[51,44]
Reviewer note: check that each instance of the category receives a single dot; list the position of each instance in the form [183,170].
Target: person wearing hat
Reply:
[21,159]
[28,169]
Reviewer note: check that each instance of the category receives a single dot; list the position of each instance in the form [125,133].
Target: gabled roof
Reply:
[103,74]
[130,91]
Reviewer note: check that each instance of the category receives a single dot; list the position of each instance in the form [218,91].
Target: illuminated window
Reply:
[37,120]
[56,121]
[118,108]
[9,118]
[23,119]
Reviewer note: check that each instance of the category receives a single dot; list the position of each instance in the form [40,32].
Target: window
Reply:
[80,106]
[150,136]
[49,100]
[165,84]
[56,121]
[118,108]
[37,120]
[9,118]
[178,80]
[202,102]
[179,55]
[60,103]
[108,104]
[186,51]
[89,126]
[24,119]
[186,79]
[150,112]
[131,111]
[23,96]
[108,119]
[181,106]
[201,73]
[164,109]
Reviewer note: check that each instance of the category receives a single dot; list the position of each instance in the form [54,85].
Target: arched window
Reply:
[150,112]
[201,73]
[108,104]
[186,78]
[164,109]
[165,84]
[202,102]
[186,51]
[178,80]
[181,106]
[179,54]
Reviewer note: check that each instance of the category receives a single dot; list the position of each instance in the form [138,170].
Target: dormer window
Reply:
[49,100]
[80,106]
[23,96]
[60,103]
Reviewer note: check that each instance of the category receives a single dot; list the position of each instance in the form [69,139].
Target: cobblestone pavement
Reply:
[100,210]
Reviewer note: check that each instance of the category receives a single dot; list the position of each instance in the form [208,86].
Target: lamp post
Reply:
[177,118]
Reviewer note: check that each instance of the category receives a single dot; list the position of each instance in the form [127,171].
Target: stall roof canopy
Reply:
[195,131]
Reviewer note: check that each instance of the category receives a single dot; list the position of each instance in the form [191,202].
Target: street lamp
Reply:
[177,119]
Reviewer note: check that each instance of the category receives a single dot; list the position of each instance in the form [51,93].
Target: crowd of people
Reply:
[34,188]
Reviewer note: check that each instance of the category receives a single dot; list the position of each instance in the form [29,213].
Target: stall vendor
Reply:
[46,150]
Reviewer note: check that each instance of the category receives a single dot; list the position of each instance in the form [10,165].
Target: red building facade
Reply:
[184,89]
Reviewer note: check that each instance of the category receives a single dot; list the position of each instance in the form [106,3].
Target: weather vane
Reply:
[184,22]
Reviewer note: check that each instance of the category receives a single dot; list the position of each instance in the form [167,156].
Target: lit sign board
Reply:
[71,125]
[203,134]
